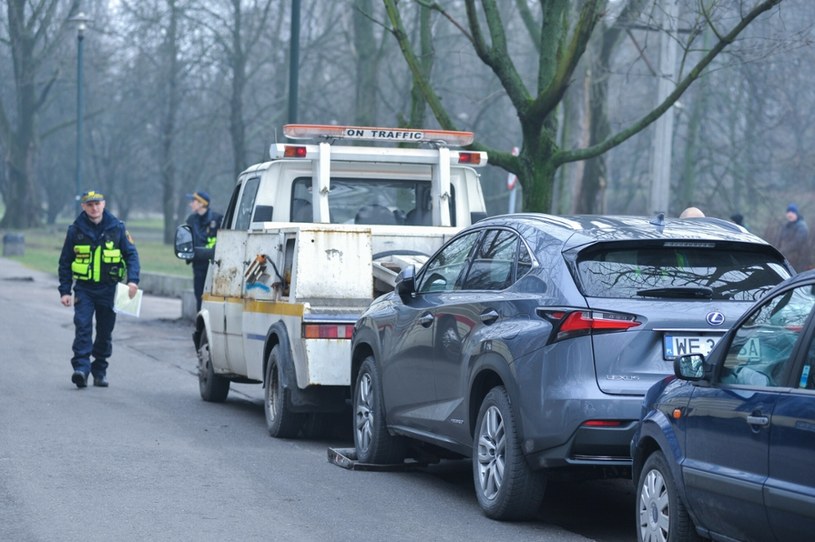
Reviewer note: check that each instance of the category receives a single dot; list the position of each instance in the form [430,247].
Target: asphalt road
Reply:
[146,459]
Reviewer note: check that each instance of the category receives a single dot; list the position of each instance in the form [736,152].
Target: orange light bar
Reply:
[328,331]
[294,151]
[371,133]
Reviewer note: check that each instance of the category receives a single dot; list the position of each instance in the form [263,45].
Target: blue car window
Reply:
[762,346]
[806,379]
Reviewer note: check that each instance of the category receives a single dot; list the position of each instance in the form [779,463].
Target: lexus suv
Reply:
[528,341]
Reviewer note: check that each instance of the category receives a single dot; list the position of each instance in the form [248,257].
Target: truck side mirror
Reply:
[184,248]
[406,281]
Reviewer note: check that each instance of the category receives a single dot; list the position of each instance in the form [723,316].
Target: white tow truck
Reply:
[307,241]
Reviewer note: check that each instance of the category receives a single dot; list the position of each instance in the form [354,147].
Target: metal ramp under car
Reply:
[347,459]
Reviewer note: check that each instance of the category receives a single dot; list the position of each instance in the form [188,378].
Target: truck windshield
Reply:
[370,201]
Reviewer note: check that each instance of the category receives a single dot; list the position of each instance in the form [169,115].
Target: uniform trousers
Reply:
[89,300]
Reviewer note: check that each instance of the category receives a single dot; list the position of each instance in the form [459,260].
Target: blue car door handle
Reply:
[761,421]
[426,319]
[489,316]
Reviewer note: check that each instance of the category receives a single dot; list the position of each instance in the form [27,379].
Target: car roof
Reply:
[578,230]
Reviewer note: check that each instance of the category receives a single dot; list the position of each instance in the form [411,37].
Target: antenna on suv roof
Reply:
[658,219]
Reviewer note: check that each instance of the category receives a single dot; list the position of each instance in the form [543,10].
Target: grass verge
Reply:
[43,246]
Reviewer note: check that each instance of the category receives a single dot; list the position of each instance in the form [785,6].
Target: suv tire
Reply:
[517,491]
[372,441]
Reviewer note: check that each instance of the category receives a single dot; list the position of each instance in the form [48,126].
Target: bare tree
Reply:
[30,32]
[561,36]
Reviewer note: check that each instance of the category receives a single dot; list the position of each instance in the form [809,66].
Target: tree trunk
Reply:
[237,126]
[22,208]
[367,63]
[168,179]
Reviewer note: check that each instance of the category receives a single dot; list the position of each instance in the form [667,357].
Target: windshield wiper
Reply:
[696,292]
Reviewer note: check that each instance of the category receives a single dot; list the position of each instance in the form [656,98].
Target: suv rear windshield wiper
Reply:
[696,292]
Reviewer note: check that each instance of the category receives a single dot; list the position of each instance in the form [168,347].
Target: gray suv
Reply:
[528,341]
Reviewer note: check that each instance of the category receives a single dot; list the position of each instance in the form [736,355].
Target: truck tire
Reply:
[213,388]
[507,489]
[280,420]
[372,441]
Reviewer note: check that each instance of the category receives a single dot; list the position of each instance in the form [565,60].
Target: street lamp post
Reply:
[81,20]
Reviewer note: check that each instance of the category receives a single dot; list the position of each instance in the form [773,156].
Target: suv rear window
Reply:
[647,272]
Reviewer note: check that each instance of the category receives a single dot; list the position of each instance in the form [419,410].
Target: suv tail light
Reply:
[567,323]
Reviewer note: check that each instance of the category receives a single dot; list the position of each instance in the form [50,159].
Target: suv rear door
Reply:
[685,293]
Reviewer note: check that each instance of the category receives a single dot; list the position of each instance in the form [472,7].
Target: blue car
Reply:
[726,449]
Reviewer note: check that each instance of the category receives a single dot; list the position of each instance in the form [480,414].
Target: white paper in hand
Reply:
[122,304]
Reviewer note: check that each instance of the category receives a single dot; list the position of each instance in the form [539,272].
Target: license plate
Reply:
[679,345]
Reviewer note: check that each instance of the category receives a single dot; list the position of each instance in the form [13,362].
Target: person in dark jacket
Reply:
[793,239]
[204,223]
[98,253]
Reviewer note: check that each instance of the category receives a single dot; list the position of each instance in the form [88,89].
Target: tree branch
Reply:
[433,100]
[563,157]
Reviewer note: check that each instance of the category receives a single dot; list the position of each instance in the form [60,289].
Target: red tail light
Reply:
[294,151]
[328,331]
[567,324]
[604,423]
[469,158]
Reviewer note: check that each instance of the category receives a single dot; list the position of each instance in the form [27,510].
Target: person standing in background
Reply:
[204,224]
[793,239]
[97,254]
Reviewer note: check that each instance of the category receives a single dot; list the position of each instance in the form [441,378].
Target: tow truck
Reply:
[308,240]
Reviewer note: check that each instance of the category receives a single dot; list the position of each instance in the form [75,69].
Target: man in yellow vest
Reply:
[97,254]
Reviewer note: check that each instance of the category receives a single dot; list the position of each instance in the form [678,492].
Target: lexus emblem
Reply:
[715,318]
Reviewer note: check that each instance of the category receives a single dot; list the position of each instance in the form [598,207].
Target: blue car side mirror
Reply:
[690,367]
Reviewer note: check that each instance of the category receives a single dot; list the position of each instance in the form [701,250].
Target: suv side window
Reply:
[762,347]
[494,262]
[442,273]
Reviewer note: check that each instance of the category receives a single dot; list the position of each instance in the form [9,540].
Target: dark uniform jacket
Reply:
[204,227]
[85,232]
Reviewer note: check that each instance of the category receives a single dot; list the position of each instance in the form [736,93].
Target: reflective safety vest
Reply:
[101,264]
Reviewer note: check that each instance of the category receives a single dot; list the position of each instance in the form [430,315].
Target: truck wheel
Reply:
[507,489]
[661,514]
[280,420]
[371,438]
[213,388]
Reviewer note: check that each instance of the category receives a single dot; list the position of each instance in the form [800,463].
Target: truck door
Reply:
[228,274]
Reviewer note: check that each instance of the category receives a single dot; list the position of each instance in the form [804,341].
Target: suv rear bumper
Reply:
[589,447]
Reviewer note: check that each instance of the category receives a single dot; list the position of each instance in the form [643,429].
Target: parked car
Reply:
[528,341]
[727,450]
